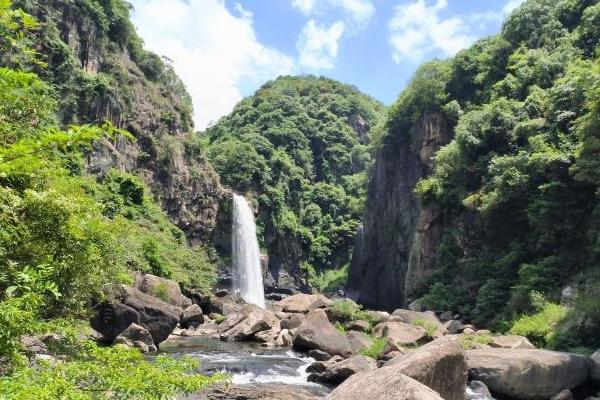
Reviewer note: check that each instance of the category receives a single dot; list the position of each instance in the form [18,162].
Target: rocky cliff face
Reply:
[396,246]
[101,72]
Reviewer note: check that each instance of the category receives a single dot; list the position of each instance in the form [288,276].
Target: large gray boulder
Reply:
[244,324]
[110,319]
[358,341]
[165,289]
[411,317]
[383,383]
[293,321]
[157,316]
[595,367]
[527,374]
[511,342]
[440,365]
[337,371]
[316,332]
[192,317]
[136,336]
[303,303]
[400,333]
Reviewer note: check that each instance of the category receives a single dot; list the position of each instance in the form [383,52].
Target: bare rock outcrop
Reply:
[527,374]
[316,332]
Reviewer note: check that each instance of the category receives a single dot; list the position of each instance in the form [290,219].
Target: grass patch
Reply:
[348,311]
[161,290]
[375,349]
[219,318]
[340,327]
[469,341]
[430,328]
[540,328]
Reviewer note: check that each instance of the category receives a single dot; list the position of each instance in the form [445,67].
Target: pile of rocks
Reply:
[422,356]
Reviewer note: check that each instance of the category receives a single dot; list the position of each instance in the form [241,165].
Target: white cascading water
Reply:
[247,272]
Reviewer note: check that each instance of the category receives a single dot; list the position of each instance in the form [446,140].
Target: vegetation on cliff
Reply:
[518,185]
[299,146]
[65,233]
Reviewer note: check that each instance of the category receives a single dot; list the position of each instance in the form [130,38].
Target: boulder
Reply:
[511,342]
[358,341]
[157,316]
[164,289]
[284,338]
[477,390]
[563,395]
[440,365]
[136,336]
[110,319]
[446,316]
[192,316]
[416,306]
[303,303]
[527,374]
[453,327]
[400,333]
[319,355]
[336,371]
[360,326]
[292,322]
[411,317]
[383,383]
[595,367]
[244,324]
[316,332]
[252,391]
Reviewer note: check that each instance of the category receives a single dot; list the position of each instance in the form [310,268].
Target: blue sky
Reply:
[225,49]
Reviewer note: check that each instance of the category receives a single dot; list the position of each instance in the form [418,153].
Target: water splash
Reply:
[247,272]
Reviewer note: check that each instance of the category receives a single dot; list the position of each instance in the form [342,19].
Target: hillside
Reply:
[507,210]
[299,147]
[91,55]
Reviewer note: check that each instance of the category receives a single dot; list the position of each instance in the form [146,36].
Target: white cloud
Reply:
[417,29]
[318,46]
[510,6]
[213,50]
[359,12]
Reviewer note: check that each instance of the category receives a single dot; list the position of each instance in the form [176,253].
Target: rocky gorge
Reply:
[339,350]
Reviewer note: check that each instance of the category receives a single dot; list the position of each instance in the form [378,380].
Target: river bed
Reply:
[247,362]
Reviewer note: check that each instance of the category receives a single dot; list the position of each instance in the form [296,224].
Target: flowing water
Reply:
[246,362]
[247,272]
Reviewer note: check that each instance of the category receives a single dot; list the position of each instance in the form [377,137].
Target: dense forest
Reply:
[300,148]
[476,193]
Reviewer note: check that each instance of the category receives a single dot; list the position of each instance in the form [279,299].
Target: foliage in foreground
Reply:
[106,373]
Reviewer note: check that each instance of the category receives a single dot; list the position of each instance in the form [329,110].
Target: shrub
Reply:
[161,290]
[107,373]
[375,349]
[347,311]
[540,328]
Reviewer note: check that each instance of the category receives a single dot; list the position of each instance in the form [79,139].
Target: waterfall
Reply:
[247,272]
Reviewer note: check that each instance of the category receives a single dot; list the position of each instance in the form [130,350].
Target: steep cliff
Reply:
[395,250]
[101,72]
[506,213]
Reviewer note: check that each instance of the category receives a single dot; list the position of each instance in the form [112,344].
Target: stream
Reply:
[246,362]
